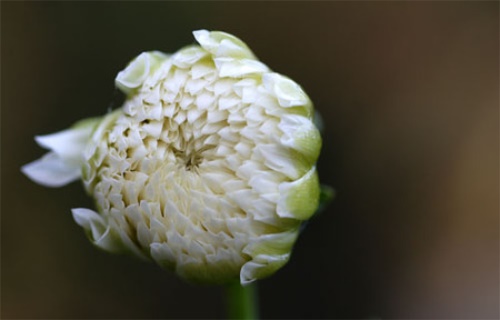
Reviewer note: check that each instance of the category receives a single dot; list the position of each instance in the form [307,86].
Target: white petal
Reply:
[249,272]
[163,254]
[202,69]
[90,220]
[134,74]
[188,56]
[288,92]
[228,102]
[222,44]
[51,171]
[234,68]
[264,182]
[67,144]
[269,253]
[280,159]
[229,48]
[301,134]
[98,230]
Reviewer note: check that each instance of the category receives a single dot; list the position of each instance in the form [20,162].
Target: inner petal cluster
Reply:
[184,169]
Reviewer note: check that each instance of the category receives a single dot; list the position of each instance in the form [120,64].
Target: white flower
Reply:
[208,168]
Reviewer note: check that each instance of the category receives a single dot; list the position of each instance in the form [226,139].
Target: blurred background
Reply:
[409,96]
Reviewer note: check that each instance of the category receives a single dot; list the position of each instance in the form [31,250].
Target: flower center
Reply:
[190,157]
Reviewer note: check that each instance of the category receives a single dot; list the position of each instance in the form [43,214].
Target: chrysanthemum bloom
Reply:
[208,168]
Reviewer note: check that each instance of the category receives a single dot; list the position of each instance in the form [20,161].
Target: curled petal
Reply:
[301,134]
[63,164]
[288,92]
[98,231]
[188,56]
[134,75]
[299,199]
[270,252]
[222,44]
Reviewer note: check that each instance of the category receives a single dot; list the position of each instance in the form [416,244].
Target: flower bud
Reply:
[208,168]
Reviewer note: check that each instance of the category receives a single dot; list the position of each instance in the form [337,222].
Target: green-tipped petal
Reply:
[222,44]
[299,199]
[302,135]
[287,91]
[138,70]
[269,253]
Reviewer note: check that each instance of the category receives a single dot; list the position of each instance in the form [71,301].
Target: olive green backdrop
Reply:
[409,96]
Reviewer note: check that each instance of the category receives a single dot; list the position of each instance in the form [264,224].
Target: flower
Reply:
[208,168]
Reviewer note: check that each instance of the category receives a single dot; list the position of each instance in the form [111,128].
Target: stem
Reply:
[242,301]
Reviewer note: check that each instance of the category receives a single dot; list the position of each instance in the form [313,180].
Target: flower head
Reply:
[208,168]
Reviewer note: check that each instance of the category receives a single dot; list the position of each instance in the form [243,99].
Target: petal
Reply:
[163,255]
[318,121]
[301,134]
[236,68]
[67,144]
[134,75]
[222,44]
[63,164]
[188,56]
[99,232]
[51,171]
[288,92]
[269,253]
[123,241]
[250,272]
[284,160]
[299,199]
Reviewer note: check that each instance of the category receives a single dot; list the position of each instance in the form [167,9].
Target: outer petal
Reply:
[222,44]
[269,253]
[299,133]
[134,75]
[66,144]
[288,93]
[98,231]
[63,164]
[51,171]
[237,68]
[299,199]
[218,268]
[188,56]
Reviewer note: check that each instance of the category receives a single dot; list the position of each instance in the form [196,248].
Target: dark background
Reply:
[409,96]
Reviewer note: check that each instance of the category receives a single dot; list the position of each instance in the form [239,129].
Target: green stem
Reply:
[242,301]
